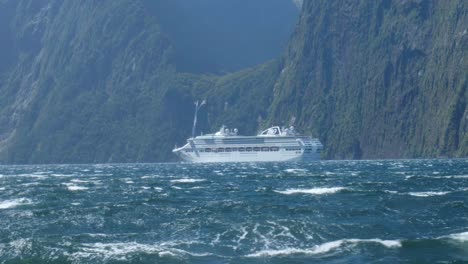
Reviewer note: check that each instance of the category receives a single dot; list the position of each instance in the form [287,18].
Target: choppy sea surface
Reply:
[392,211]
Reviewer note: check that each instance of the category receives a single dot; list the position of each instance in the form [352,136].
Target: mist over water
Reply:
[328,211]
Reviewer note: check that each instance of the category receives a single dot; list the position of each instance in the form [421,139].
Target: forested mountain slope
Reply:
[379,79]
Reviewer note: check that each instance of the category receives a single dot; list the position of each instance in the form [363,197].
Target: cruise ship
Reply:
[275,144]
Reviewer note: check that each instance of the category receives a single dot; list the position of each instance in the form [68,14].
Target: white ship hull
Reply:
[249,157]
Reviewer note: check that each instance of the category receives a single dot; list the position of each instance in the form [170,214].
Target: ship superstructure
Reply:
[275,144]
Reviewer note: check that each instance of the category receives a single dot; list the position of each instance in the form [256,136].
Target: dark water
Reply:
[328,212]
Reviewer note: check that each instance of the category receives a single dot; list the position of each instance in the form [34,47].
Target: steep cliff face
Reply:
[379,79]
[86,74]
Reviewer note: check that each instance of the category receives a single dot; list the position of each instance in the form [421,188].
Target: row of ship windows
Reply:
[251,149]
[241,149]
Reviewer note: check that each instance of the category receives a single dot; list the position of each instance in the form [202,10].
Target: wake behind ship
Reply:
[274,144]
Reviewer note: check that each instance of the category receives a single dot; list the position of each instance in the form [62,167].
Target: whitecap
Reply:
[72,187]
[324,248]
[427,194]
[121,250]
[386,243]
[317,191]
[462,237]
[186,180]
[295,170]
[62,175]
[14,203]
[459,176]
[150,176]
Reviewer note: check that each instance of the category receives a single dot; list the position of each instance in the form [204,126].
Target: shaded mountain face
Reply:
[115,81]
[379,79]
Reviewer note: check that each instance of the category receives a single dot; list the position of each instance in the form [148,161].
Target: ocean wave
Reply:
[15,247]
[14,203]
[187,180]
[462,237]
[317,191]
[453,177]
[79,181]
[295,170]
[325,247]
[120,251]
[460,176]
[427,194]
[72,187]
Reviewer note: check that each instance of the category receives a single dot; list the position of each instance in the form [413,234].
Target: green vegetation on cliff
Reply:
[379,79]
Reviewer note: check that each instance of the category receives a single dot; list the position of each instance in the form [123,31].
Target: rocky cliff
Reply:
[379,79]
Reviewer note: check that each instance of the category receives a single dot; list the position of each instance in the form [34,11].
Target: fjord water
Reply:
[329,212]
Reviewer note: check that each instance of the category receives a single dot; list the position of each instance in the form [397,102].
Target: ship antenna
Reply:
[197,107]
[292,120]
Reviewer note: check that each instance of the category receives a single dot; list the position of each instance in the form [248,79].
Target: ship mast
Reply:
[197,107]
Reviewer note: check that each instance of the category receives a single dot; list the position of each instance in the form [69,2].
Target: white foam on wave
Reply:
[427,194]
[62,175]
[462,237]
[150,176]
[14,203]
[455,177]
[385,243]
[295,170]
[325,247]
[316,191]
[187,180]
[120,251]
[72,187]
[76,188]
